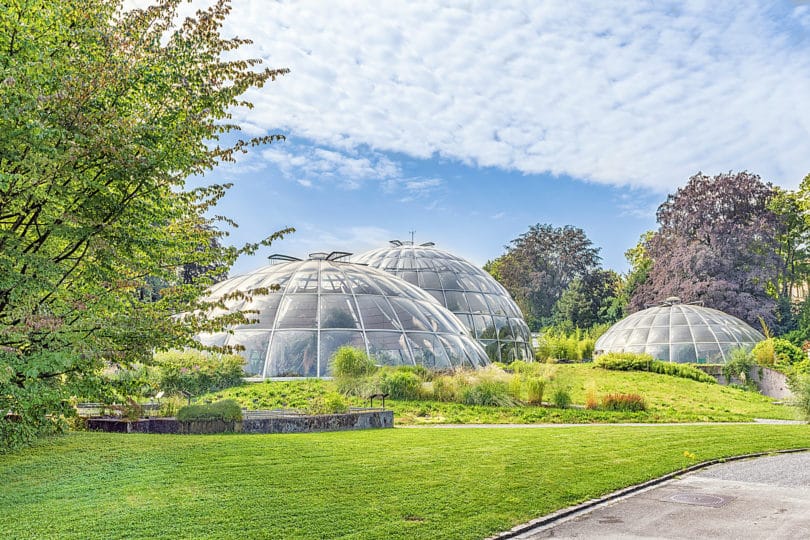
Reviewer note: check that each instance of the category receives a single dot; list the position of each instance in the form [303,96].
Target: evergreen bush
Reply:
[644,362]
[227,410]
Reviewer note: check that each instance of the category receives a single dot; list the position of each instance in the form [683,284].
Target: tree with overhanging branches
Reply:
[104,115]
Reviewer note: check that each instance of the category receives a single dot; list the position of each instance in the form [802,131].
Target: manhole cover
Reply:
[714,501]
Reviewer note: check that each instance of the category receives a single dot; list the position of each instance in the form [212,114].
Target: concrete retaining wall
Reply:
[270,424]
[769,381]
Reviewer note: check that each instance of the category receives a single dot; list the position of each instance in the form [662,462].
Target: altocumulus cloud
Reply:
[635,93]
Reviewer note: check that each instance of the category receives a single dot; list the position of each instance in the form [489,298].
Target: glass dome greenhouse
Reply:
[679,332]
[324,303]
[482,304]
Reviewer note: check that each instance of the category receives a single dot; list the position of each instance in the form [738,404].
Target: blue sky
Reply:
[467,122]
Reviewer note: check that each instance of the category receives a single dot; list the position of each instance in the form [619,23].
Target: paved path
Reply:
[629,424]
[767,497]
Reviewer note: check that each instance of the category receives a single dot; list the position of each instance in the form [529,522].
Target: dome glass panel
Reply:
[480,302]
[323,304]
[678,332]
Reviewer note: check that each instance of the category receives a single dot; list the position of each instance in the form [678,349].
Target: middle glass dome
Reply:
[482,304]
[324,303]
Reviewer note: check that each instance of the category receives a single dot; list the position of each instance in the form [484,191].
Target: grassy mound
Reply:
[668,399]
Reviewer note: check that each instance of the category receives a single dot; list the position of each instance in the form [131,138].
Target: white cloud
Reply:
[625,93]
[310,238]
[347,169]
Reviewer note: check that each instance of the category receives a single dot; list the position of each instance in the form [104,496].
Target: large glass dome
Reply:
[482,304]
[325,303]
[678,332]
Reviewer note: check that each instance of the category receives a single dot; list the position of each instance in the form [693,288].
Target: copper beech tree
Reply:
[104,114]
[717,242]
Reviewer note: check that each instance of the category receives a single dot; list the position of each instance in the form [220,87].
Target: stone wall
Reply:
[325,422]
[269,424]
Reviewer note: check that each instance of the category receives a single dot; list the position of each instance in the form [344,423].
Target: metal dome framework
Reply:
[483,305]
[676,332]
[324,303]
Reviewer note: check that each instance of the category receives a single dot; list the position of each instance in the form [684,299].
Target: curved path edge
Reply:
[564,513]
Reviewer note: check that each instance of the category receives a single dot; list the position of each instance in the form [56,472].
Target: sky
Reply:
[468,122]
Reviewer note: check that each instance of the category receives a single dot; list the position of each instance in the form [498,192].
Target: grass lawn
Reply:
[407,483]
[670,399]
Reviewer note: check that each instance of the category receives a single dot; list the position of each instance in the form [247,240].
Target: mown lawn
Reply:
[670,399]
[402,483]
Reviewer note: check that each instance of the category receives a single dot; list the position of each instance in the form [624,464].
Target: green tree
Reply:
[104,114]
[590,300]
[539,265]
[793,245]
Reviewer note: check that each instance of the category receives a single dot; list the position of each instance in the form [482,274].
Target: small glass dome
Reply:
[325,303]
[681,333]
[482,304]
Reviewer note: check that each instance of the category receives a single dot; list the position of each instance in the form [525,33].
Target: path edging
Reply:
[563,513]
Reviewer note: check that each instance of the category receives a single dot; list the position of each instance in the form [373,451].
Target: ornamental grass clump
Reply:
[330,403]
[624,402]
[535,388]
[445,388]
[488,392]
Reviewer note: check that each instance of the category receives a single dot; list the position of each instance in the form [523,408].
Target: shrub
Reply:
[521,367]
[351,362]
[764,352]
[558,347]
[445,388]
[330,403]
[535,387]
[227,410]
[739,366]
[401,384]
[778,353]
[624,402]
[169,406]
[197,372]
[586,348]
[625,361]
[644,362]
[561,397]
[800,386]
[419,370]
[516,387]
[786,352]
[488,392]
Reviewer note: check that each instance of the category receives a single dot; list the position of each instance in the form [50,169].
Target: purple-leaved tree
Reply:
[716,243]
